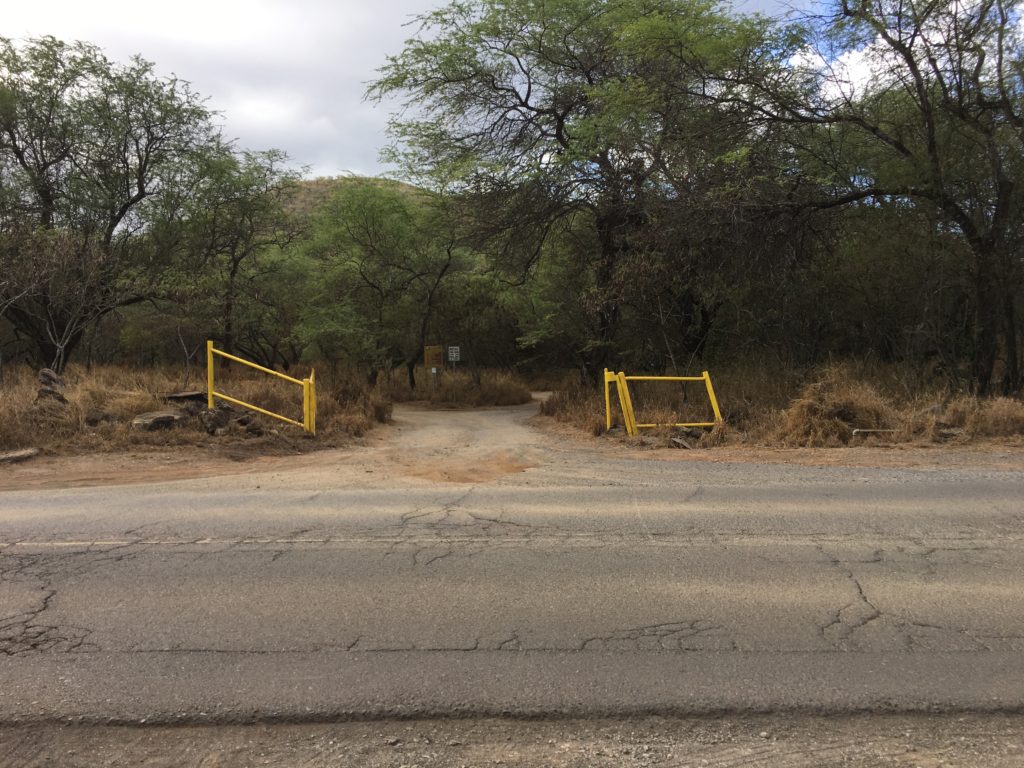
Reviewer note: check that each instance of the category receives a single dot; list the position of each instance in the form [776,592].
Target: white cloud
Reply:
[288,74]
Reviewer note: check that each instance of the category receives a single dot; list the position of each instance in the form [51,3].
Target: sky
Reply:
[283,74]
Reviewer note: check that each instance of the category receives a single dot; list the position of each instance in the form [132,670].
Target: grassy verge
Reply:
[834,406]
[101,404]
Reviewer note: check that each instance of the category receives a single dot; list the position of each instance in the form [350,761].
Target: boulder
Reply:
[154,420]
[217,419]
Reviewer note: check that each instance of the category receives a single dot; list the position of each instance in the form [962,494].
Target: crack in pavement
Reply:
[844,623]
[25,633]
[457,531]
[671,636]
[28,631]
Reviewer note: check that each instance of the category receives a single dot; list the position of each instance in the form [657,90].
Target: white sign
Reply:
[454,354]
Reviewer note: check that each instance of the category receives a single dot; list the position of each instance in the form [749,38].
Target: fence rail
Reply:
[308,422]
[621,382]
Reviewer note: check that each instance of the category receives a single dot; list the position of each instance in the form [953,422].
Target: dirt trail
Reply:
[445,446]
[465,447]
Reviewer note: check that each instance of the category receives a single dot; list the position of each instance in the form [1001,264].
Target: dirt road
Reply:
[468,446]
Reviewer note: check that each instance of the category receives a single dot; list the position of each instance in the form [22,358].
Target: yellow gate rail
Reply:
[621,382]
[308,422]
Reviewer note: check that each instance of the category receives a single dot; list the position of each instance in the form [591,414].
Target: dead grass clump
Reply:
[827,411]
[382,409]
[715,437]
[577,405]
[17,396]
[1000,417]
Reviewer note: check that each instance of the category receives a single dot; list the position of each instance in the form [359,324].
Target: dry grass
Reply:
[102,403]
[458,389]
[1001,417]
[828,410]
[577,405]
[767,406]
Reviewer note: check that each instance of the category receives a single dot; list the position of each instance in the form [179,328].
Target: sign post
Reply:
[433,359]
[454,355]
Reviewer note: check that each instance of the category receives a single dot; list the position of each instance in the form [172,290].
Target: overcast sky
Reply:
[287,74]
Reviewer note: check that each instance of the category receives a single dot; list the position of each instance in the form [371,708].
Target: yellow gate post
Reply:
[712,398]
[608,379]
[209,375]
[627,406]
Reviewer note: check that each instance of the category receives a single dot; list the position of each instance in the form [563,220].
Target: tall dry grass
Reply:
[102,402]
[831,406]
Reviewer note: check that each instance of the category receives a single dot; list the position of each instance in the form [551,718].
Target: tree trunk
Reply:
[612,228]
[987,318]
[1012,374]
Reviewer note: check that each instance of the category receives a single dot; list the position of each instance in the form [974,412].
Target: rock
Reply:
[254,429]
[190,395]
[215,420]
[51,393]
[192,402]
[154,420]
[95,418]
[51,379]
[392,742]
[13,457]
[680,442]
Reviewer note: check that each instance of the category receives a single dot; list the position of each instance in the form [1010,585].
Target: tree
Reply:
[387,251]
[557,121]
[920,103]
[233,219]
[87,150]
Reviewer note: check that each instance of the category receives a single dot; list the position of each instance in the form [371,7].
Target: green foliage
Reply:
[90,151]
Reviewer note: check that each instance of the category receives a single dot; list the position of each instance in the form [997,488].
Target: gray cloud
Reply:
[287,74]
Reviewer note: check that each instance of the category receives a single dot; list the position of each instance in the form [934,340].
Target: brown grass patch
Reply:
[459,389]
[827,411]
[768,406]
[579,406]
[103,401]
[1001,417]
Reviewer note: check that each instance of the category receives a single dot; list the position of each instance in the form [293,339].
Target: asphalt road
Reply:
[468,564]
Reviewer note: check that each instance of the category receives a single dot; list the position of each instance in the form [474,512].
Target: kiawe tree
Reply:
[387,252]
[552,116]
[234,221]
[919,103]
[88,148]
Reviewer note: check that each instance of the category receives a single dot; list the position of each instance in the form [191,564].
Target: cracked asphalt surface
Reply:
[470,565]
